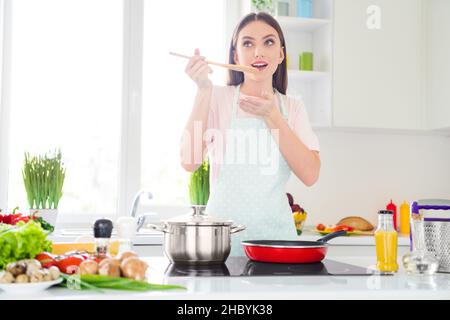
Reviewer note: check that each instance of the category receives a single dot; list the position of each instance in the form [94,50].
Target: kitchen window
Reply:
[75,81]
[168,93]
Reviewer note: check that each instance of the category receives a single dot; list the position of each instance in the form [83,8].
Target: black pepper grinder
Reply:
[102,234]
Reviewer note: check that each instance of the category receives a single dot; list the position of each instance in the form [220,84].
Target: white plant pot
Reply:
[49,215]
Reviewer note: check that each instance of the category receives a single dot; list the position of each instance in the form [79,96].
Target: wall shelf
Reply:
[301,24]
[300,75]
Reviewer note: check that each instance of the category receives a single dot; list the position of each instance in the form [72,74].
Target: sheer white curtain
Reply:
[66,82]
[168,93]
[66,91]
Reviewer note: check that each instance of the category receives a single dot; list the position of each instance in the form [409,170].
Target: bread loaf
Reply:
[356,222]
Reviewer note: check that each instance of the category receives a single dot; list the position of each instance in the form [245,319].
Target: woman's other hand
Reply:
[197,69]
[264,107]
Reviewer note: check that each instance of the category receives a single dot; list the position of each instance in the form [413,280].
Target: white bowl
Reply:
[29,287]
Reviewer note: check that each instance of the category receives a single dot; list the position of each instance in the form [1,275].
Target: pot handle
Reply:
[237,228]
[162,227]
[333,235]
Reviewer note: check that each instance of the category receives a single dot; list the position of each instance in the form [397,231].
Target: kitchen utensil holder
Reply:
[436,230]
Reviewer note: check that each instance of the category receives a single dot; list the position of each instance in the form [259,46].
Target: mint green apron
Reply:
[252,192]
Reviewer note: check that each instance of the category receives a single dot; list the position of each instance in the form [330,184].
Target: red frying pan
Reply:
[286,251]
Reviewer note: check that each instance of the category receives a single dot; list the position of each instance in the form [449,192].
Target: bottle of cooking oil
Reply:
[386,242]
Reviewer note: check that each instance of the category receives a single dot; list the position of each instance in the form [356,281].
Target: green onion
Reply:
[43,177]
[98,282]
[199,184]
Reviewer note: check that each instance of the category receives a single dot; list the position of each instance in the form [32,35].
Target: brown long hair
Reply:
[279,79]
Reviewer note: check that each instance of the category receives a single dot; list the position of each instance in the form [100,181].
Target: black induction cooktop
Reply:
[242,266]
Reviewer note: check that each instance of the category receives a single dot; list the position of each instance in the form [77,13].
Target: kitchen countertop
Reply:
[398,286]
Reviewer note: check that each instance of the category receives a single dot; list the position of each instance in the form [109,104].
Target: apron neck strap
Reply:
[281,102]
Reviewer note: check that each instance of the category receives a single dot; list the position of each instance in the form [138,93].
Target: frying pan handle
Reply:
[332,235]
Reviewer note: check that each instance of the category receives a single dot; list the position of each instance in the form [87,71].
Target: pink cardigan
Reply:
[219,120]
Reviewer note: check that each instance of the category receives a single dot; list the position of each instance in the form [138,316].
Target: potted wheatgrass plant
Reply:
[199,187]
[262,6]
[43,177]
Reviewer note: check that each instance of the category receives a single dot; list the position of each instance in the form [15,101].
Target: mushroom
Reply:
[37,276]
[127,254]
[134,268]
[31,267]
[109,267]
[54,272]
[29,262]
[22,278]
[16,268]
[47,275]
[6,277]
[88,267]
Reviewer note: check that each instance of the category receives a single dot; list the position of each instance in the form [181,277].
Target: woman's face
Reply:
[258,45]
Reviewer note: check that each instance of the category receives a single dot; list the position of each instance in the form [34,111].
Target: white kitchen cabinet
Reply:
[438,63]
[378,64]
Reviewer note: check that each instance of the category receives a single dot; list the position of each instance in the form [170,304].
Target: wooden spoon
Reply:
[234,67]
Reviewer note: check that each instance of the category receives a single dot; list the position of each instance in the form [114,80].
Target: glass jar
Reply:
[304,8]
[419,261]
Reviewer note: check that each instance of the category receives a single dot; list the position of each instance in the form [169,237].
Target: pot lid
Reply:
[198,217]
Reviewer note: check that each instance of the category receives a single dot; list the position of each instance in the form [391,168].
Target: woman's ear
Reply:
[235,57]
[281,55]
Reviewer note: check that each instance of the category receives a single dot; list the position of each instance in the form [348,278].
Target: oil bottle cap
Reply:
[385,212]
[103,228]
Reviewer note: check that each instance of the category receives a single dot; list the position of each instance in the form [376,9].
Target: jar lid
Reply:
[198,217]
[385,212]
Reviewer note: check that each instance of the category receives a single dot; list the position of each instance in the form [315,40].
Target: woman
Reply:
[251,116]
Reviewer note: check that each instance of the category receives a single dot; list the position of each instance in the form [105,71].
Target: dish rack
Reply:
[436,224]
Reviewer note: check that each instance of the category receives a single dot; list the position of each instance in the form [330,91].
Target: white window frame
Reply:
[5,64]
[130,146]
[132,79]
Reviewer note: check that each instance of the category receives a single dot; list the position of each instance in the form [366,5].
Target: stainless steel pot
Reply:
[197,238]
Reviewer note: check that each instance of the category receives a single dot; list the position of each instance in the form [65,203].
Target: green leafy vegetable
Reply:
[44,224]
[22,241]
[98,282]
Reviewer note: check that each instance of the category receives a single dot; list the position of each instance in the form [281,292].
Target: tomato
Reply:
[82,254]
[69,264]
[320,227]
[346,228]
[46,259]
[85,255]
[11,219]
[24,219]
[97,258]
[14,218]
